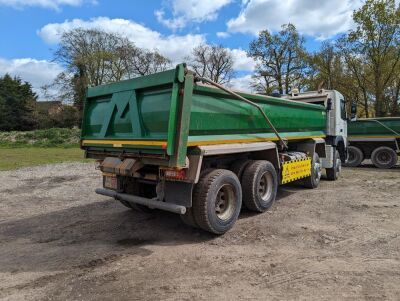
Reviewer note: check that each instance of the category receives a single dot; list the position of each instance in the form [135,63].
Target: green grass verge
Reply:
[54,137]
[31,156]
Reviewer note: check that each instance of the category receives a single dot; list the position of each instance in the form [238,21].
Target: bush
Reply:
[54,137]
[65,117]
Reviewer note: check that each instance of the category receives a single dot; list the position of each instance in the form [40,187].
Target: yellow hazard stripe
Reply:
[296,169]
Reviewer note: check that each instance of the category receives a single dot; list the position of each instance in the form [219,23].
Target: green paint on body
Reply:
[388,127]
[168,112]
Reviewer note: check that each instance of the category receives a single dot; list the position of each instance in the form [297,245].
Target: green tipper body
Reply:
[163,115]
[388,127]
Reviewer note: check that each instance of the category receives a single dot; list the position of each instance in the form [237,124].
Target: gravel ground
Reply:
[61,241]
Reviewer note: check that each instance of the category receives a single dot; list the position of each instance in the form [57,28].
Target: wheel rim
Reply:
[265,186]
[225,202]
[338,166]
[317,170]
[383,157]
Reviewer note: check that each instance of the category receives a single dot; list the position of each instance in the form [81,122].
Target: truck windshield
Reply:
[343,114]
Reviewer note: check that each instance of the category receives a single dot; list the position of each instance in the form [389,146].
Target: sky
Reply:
[30,29]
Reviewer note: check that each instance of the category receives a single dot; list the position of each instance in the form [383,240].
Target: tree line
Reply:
[363,64]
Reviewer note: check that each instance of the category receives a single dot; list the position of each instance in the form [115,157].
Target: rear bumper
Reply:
[152,203]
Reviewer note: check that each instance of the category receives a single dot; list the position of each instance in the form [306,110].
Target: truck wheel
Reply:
[217,200]
[316,171]
[384,157]
[355,158]
[333,173]
[238,168]
[188,218]
[259,185]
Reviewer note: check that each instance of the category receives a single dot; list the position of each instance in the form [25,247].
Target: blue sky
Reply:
[29,29]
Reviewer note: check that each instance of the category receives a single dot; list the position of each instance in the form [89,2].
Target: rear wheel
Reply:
[238,167]
[217,200]
[188,218]
[384,157]
[316,171]
[259,185]
[333,173]
[356,156]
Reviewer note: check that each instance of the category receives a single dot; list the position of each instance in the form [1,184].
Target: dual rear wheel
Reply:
[218,196]
[384,157]
[381,157]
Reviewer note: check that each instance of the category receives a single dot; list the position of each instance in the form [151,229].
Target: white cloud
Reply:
[241,61]
[242,84]
[184,11]
[222,34]
[175,47]
[36,72]
[52,4]
[321,19]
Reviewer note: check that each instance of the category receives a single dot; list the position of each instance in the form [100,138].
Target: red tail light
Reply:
[173,174]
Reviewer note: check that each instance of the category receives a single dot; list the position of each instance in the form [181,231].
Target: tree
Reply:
[213,62]
[375,41]
[94,57]
[280,58]
[147,62]
[358,75]
[327,66]
[54,114]
[17,105]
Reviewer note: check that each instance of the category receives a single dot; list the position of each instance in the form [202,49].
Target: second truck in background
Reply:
[377,139]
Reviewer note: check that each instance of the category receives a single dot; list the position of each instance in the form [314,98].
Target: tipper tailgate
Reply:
[140,115]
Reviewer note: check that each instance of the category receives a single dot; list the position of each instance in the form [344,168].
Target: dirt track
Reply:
[61,241]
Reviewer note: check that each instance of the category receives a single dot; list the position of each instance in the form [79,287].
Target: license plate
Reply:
[110,182]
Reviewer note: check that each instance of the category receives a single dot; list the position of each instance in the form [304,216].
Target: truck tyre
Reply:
[333,173]
[188,218]
[355,158]
[238,168]
[259,185]
[384,157]
[217,200]
[316,170]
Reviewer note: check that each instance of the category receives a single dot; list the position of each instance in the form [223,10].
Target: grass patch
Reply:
[31,156]
[54,137]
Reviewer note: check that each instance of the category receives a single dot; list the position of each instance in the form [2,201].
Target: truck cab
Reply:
[336,125]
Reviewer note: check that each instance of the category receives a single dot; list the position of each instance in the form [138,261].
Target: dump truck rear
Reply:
[169,142]
[377,139]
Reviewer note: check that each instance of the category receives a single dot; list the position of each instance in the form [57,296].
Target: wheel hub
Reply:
[265,186]
[383,157]
[225,202]
[338,165]
[317,170]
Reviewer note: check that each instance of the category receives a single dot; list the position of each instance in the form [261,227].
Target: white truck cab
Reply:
[336,126]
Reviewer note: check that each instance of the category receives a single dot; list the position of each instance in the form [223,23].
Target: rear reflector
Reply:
[173,174]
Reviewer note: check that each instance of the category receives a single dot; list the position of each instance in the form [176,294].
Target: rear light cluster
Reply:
[173,174]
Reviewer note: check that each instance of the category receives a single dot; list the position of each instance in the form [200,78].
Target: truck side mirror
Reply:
[329,105]
[353,112]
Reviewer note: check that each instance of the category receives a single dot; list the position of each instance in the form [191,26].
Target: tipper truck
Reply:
[377,139]
[181,143]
